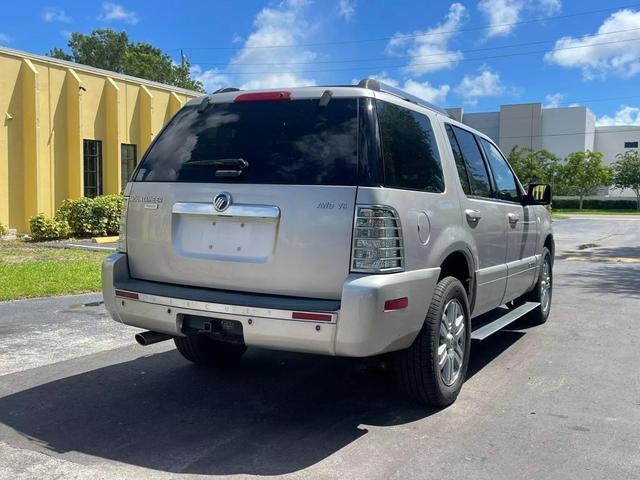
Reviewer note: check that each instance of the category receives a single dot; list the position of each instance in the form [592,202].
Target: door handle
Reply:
[513,218]
[473,216]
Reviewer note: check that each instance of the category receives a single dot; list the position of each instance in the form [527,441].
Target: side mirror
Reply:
[538,194]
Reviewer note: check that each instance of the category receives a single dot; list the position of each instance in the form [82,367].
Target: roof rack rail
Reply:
[225,90]
[373,84]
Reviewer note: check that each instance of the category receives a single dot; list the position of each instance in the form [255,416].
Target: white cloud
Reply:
[553,100]
[503,15]
[485,84]
[283,24]
[212,79]
[4,38]
[55,14]
[424,90]
[598,56]
[113,12]
[346,9]
[236,38]
[429,48]
[624,116]
[277,80]
[549,7]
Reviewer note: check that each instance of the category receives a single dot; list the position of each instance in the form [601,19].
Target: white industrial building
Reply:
[561,131]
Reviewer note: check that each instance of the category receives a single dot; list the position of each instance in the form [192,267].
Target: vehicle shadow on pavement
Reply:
[275,413]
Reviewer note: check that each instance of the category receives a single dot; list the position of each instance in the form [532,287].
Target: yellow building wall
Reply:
[48,108]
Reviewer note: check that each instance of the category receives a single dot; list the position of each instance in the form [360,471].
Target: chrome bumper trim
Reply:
[225,309]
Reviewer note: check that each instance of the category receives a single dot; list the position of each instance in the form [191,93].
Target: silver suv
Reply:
[347,220]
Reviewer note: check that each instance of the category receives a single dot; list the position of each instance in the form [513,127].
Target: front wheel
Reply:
[432,370]
[543,291]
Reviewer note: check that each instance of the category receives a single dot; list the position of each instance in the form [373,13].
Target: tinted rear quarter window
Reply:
[477,171]
[279,142]
[410,152]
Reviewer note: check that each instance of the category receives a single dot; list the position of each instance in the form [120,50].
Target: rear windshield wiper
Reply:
[239,163]
[224,167]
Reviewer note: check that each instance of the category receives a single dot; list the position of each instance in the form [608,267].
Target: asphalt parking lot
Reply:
[79,399]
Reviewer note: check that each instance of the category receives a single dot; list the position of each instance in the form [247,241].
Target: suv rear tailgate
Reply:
[277,239]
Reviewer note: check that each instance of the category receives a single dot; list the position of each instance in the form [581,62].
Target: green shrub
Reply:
[77,213]
[109,208]
[92,217]
[3,230]
[44,227]
[594,204]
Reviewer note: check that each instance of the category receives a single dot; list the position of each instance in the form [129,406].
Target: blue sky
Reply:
[476,55]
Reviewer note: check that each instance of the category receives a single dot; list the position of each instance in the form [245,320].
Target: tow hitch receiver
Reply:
[223,330]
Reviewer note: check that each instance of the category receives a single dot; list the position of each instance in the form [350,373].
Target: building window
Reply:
[92,163]
[128,161]
[630,144]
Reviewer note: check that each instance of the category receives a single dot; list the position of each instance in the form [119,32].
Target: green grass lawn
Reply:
[559,211]
[29,270]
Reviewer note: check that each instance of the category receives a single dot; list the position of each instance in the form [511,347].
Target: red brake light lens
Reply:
[125,294]
[262,97]
[318,317]
[396,304]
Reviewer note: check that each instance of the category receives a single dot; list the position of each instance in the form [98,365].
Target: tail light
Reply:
[377,240]
[122,241]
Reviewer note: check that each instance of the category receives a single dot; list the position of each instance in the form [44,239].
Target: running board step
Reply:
[501,319]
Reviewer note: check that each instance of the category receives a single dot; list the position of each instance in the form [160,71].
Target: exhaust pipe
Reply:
[147,338]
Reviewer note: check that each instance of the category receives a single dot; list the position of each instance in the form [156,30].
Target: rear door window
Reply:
[479,183]
[409,149]
[278,142]
[457,156]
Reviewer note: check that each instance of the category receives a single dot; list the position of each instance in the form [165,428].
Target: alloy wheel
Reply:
[452,342]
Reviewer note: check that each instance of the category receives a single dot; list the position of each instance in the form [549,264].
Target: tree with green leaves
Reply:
[535,166]
[625,173]
[583,173]
[111,50]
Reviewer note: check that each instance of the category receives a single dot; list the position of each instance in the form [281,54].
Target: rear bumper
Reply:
[355,326]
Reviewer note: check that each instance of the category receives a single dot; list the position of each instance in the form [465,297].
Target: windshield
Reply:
[281,142]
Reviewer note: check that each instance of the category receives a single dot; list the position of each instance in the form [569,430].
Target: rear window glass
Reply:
[409,149]
[280,142]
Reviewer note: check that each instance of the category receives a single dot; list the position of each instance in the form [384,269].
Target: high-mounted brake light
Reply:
[377,240]
[317,317]
[262,97]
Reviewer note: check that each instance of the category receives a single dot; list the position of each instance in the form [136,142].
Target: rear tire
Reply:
[203,350]
[432,370]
